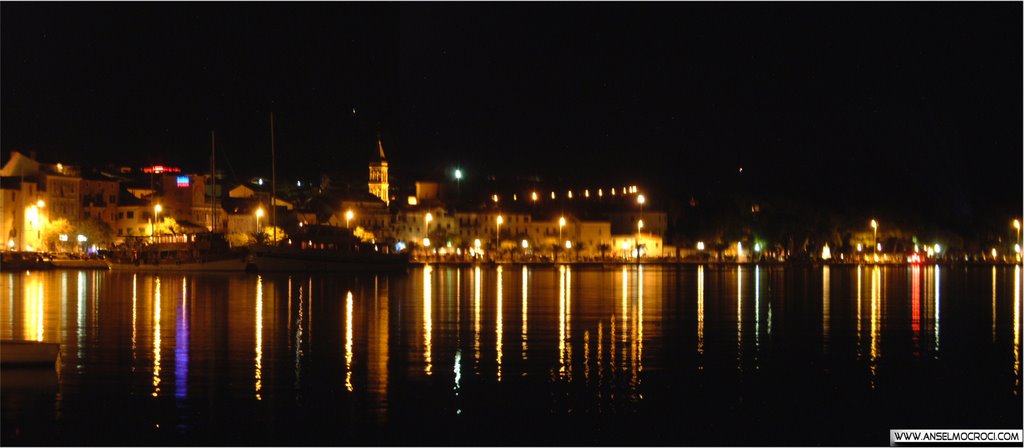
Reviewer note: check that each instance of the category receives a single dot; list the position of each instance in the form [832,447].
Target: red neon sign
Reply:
[160,169]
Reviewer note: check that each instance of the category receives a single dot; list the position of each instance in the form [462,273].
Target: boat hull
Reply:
[311,262]
[232,265]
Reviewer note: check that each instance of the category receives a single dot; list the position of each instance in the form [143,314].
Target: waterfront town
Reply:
[68,207]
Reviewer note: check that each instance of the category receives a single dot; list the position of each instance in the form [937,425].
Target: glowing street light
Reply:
[938,248]
[639,228]
[426,242]
[259,214]
[994,253]
[700,245]
[497,234]
[561,223]
[348,218]
[494,198]
[640,199]
[458,174]
[533,196]
[156,217]
[40,203]
[526,244]
[874,228]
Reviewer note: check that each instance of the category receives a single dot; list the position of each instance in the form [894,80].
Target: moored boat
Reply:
[195,252]
[322,248]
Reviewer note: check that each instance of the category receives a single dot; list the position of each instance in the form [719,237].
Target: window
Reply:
[120,215]
[131,215]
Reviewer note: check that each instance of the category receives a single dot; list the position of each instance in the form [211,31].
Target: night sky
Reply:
[907,108]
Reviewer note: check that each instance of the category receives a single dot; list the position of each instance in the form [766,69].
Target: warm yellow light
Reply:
[561,222]
[259,211]
[32,214]
[700,245]
[40,203]
[500,219]
[874,224]
[533,196]
[476,243]
[552,195]
[640,199]
[938,248]
[426,242]
[159,208]
[349,214]
[494,197]
[1016,223]
[600,193]
[515,197]
[568,244]
[570,194]
[613,191]
[412,200]
[429,217]
[640,224]
[860,247]
[526,244]
[994,252]
[878,247]
[1016,248]
[586,193]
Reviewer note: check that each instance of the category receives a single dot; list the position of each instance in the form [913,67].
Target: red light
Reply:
[157,169]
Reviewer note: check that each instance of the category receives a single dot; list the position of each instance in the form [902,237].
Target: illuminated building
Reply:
[378,184]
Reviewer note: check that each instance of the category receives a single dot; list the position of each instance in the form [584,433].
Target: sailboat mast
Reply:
[273,179]
[213,181]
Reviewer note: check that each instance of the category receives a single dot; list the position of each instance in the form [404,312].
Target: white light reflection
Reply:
[700,317]
[1016,330]
[525,307]
[348,341]
[427,320]
[876,311]
[258,373]
[826,312]
[938,302]
[476,319]
[993,303]
[739,318]
[498,329]
[156,336]
[561,321]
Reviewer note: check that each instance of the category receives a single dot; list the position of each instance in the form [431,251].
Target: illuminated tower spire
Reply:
[378,184]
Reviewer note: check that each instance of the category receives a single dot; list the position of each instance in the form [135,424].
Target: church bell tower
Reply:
[379,175]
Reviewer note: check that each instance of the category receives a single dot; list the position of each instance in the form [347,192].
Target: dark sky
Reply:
[909,106]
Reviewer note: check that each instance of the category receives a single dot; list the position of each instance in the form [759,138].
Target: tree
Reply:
[97,232]
[236,239]
[167,225]
[363,235]
[267,235]
[54,229]
[603,248]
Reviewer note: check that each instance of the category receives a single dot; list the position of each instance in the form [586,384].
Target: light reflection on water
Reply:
[639,333]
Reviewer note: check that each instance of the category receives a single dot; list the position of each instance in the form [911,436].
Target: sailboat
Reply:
[320,248]
[208,251]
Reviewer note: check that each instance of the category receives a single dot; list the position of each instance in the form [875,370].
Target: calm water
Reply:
[687,355]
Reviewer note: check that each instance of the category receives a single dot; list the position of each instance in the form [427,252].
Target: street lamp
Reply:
[874,228]
[156,217]
[1016,225]
[259,214]
[497,235]
[561,223]
[458,181]
[639,228]
[348,218]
